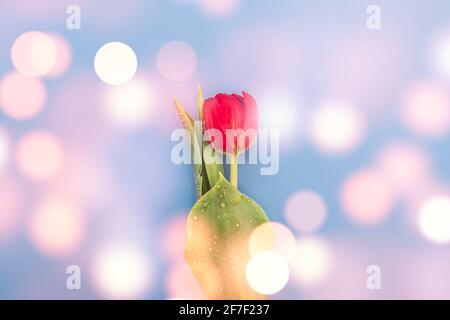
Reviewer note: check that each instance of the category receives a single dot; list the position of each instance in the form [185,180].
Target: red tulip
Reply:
[231,122]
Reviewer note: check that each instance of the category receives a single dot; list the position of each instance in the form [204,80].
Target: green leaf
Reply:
[200,179]
[200,101]
[219,226]
[206,173]
[186,118]
[201,183]
[213,162]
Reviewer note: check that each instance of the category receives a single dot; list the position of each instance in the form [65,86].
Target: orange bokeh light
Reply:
[57,226]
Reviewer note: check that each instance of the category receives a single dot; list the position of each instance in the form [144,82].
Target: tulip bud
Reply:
[230,122]
[222,220]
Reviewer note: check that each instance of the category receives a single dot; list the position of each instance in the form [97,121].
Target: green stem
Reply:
[234,170]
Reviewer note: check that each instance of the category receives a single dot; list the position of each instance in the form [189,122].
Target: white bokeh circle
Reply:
[115,63]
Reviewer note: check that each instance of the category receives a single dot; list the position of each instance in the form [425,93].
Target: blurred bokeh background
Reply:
[86,176]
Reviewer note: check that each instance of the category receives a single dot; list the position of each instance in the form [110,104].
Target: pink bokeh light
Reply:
[306,211]
[63,58]
[425,109]
[22,97]
[39,155]
[222,8]
[405,165]
[176,60]
[34,54]
[367,197]
[174,237]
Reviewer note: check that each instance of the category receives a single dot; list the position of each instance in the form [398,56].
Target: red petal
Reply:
[227,112]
